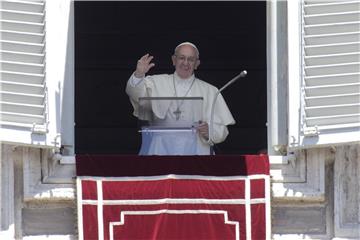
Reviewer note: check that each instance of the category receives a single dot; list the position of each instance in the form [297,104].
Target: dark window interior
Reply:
[110,36]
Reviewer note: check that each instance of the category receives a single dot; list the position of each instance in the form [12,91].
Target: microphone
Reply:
[242,74]
[210,141]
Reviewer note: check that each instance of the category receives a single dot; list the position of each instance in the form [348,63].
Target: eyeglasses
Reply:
[183,58]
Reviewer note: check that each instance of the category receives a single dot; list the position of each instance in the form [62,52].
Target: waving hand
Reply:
[143,65]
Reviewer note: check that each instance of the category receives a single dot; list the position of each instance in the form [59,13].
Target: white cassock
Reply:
[164,85]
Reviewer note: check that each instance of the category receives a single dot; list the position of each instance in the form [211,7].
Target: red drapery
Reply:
[192,197]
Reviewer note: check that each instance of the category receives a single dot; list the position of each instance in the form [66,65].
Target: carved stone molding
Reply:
[347,191]
[7,207]
[304,180]
[290,172]
[11,201]
[53,171]
[45,178]
[310,216]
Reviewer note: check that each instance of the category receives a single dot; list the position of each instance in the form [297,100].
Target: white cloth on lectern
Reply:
[170,143]
[163,86]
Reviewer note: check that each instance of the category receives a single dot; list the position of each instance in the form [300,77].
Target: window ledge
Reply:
[281,160]
[273,159]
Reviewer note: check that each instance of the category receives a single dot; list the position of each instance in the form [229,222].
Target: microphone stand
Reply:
[210,141]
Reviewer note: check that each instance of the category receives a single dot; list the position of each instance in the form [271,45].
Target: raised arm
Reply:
[135,86]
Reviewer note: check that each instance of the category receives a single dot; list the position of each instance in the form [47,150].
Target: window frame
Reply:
[276,80]
[61,67]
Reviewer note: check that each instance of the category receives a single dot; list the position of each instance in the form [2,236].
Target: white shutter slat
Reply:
[23,108]
[331,64]
[339,48]
[24,6]
[26,27]
[324,90]
[347,78]
[13,36]
[331,7]
[22,77]
[352,16]
[332,28]
[24,67]
[332,69]
[24,118]
[22,16]
[333,120]
[11,56]
[24,47]
[332,59]
[326,39]
[35,99]
[21,87]
[330,110]
[352,98]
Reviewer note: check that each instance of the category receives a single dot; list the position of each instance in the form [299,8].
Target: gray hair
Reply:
[190,44]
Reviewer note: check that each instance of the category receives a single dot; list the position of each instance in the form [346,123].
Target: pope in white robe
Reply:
[182,83]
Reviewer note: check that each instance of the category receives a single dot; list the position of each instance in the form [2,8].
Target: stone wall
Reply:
[37,195]
[315,196]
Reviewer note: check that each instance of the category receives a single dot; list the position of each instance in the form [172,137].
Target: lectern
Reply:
[168,125]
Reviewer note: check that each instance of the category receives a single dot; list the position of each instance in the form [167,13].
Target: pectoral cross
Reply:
[177,113]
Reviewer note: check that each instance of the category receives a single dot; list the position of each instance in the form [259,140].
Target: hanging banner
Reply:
[176,206]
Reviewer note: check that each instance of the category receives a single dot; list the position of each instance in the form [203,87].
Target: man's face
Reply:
[185,61]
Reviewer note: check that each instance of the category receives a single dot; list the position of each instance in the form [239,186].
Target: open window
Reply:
[111,36]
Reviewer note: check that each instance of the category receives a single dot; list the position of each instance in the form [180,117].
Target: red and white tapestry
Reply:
[174,206]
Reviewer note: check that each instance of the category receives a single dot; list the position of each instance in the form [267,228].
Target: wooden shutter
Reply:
[330,83]
[23,91]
